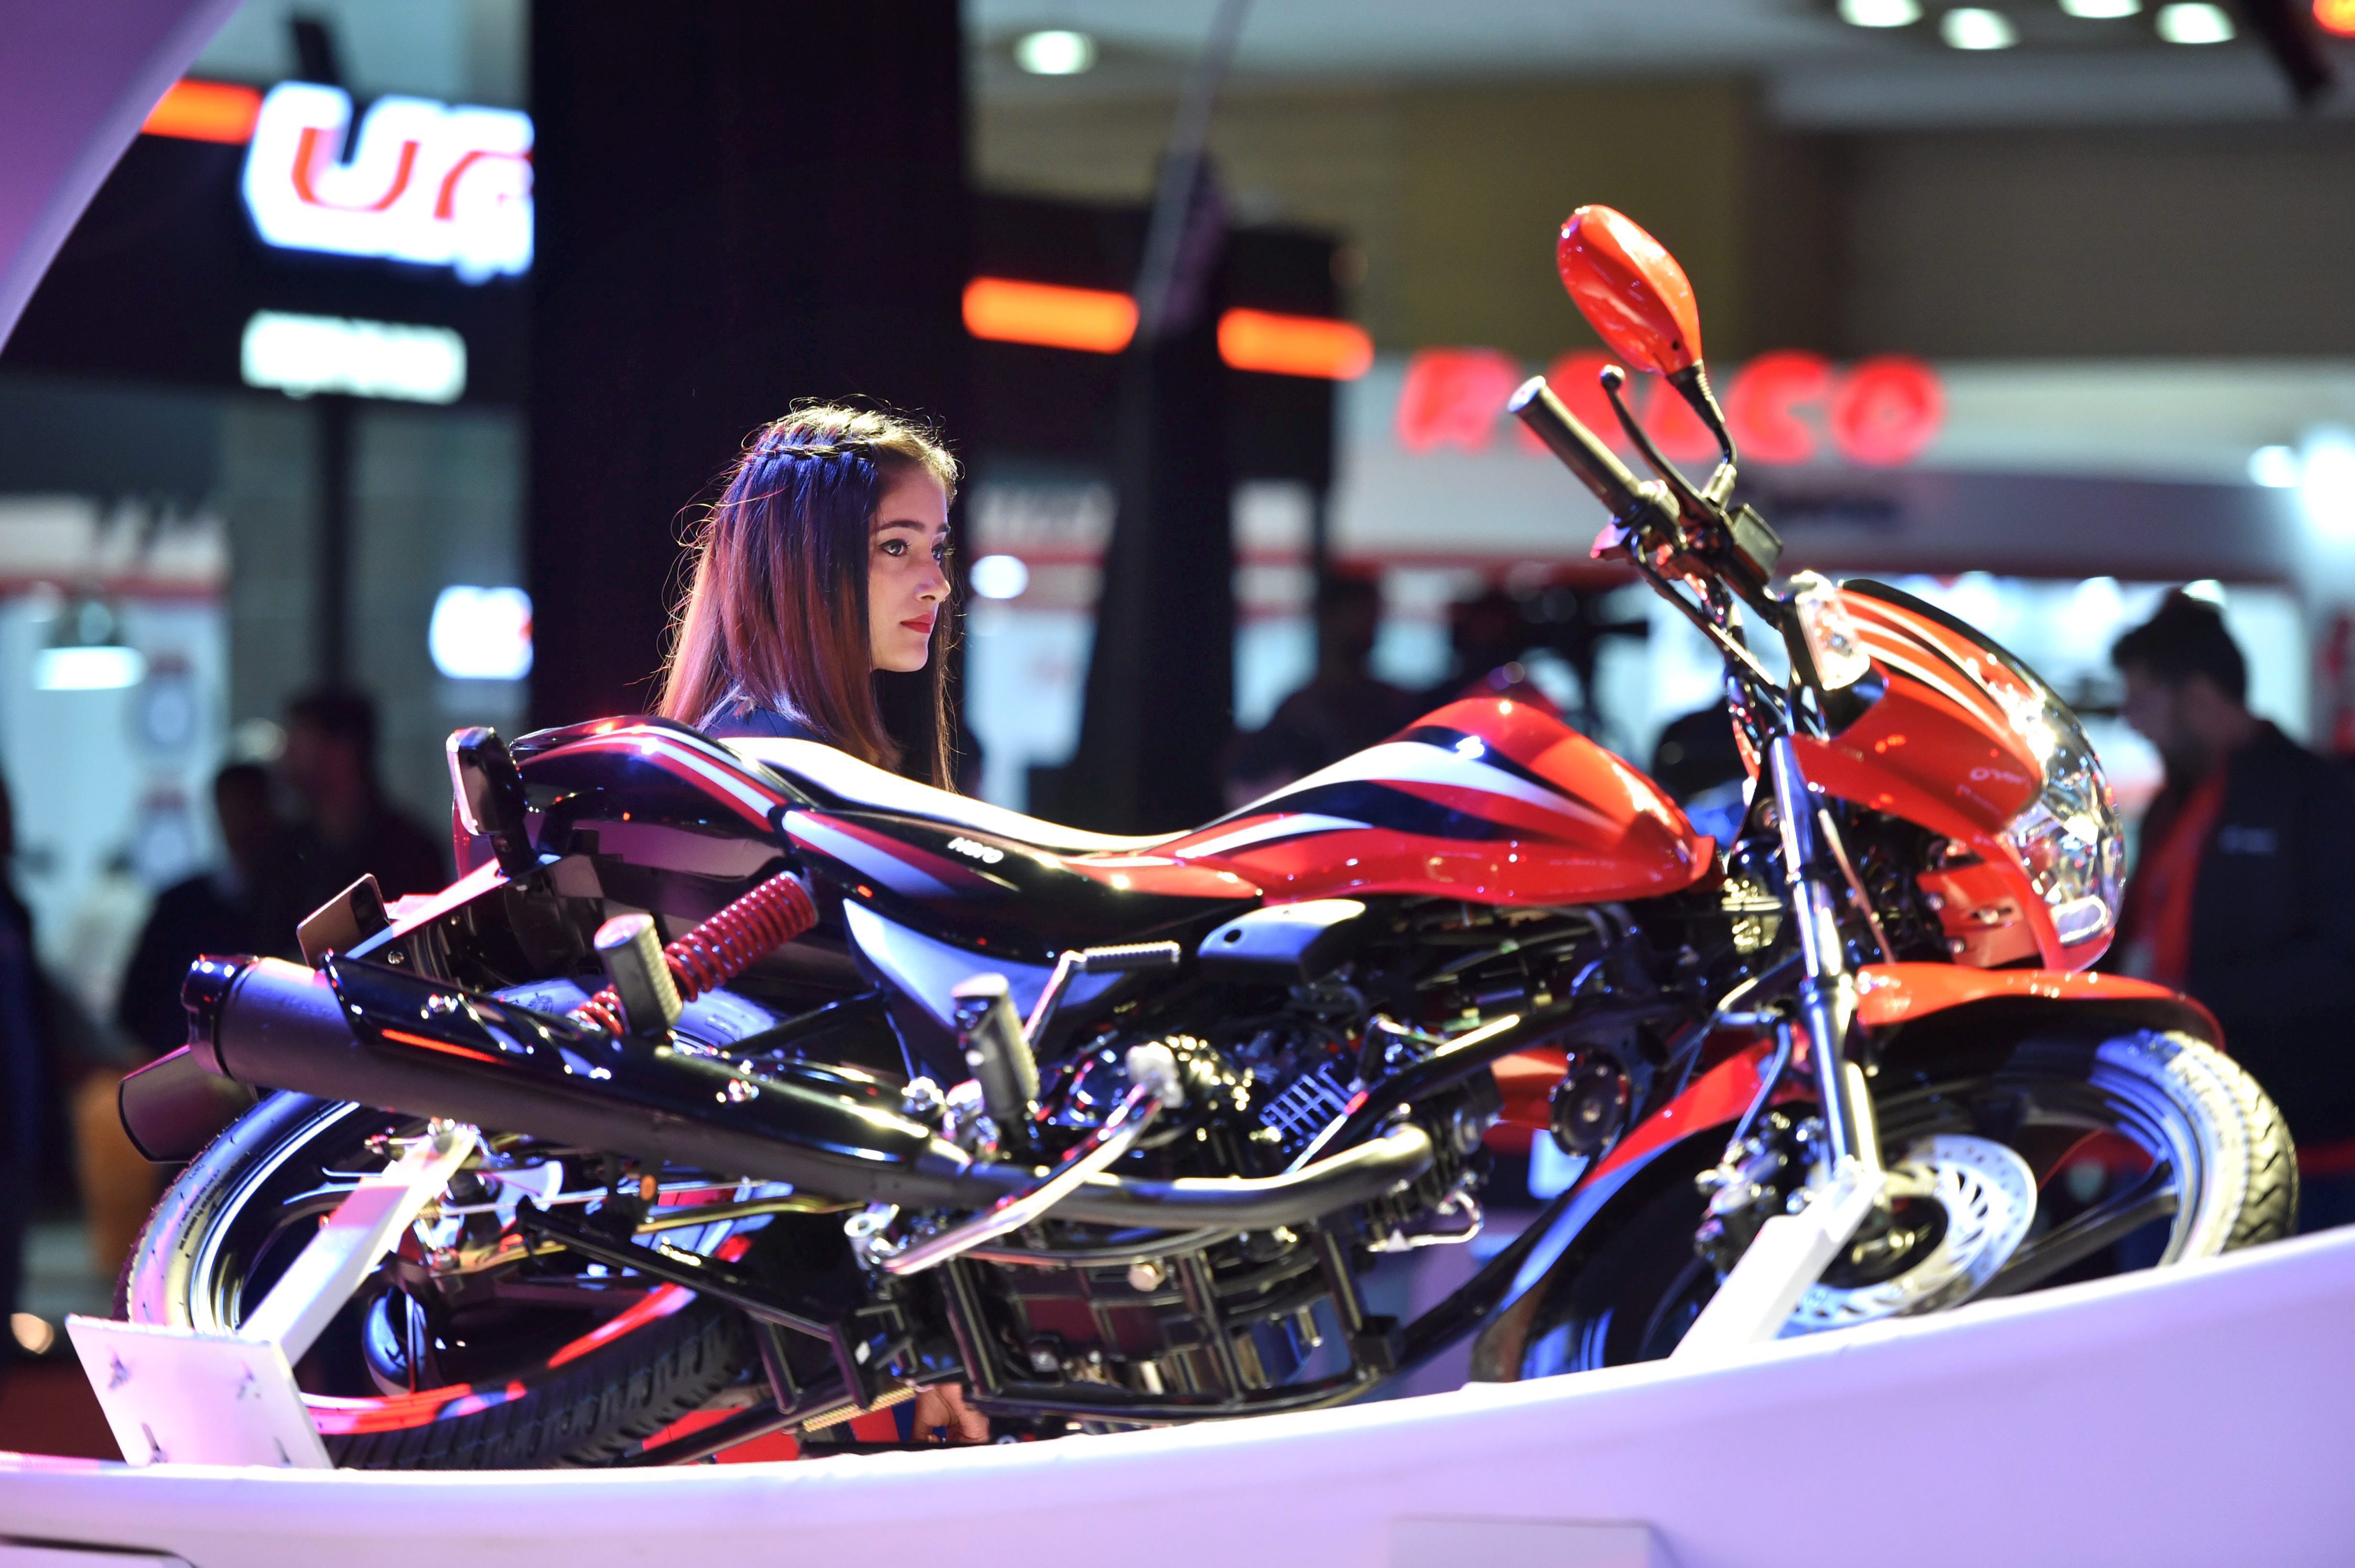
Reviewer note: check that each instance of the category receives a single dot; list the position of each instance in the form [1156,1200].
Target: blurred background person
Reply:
[61,1137]
[1344,708]
[1487,632]
[25,1050]
[2240,894]
[1696,760]
[239,906]
[349,828]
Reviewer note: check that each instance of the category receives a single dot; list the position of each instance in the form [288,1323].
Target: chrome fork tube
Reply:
[1828,994]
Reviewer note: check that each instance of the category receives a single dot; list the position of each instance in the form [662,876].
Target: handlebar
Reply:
[1584,453]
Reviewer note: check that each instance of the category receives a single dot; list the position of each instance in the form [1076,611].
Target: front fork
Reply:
[1827,993]
[1790,1251]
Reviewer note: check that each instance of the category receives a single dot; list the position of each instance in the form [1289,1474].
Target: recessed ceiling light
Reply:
[1057,51]
[1879,13]
[1972,28]
[2194,24]
[2101,10]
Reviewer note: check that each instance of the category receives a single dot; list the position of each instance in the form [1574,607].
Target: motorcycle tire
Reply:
[2220,1175]
[586,1399]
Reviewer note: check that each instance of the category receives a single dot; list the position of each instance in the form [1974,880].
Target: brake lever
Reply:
[1614,379]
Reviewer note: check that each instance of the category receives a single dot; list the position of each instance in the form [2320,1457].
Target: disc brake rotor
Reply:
[1988,1194]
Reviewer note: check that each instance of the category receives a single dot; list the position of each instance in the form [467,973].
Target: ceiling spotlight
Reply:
[1057,51]
[1879,13]
[2101,10]
[2196,23]
[1972,28]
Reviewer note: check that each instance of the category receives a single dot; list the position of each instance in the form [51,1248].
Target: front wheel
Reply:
[2038,1164]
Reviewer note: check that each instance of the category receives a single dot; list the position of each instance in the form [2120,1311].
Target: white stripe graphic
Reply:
[1420,763]
[1295,826]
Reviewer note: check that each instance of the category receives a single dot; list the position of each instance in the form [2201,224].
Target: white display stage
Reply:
[2203,1417]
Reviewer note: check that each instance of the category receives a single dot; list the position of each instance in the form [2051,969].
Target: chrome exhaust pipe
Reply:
[365,1032]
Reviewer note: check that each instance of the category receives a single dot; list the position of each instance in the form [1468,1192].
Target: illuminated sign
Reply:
[420,182]
[1782,408]
[300,355]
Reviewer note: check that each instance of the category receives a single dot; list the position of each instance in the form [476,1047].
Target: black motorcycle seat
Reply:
[842,779]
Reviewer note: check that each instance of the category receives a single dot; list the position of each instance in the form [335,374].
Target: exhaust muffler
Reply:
[363,1031]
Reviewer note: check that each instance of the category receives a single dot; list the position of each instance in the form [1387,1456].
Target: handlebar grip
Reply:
[1122,960]
[1535,405]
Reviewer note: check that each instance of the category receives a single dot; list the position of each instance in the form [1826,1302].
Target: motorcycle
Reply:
[1108,1131]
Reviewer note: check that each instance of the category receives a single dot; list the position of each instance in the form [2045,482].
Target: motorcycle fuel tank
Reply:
[1487,799]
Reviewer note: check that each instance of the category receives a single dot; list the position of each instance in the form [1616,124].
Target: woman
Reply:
[819,591]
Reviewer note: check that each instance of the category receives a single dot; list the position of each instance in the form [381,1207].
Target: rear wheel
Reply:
[568,1367]
[2051,1162]
[548,1361]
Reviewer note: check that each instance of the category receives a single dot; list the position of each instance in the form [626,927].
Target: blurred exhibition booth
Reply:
[2035,331]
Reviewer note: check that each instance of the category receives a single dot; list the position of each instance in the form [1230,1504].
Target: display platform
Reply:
[2195,1417]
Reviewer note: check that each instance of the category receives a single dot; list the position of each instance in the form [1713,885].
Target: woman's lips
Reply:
[920,623]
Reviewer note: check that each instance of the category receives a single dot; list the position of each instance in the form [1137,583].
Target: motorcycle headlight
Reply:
[2068,838]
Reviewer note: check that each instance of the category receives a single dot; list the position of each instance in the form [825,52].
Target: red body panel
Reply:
[1940,749]
[1487,799]
[1897,993]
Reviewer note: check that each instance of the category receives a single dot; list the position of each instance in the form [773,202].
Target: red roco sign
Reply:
[1784,408]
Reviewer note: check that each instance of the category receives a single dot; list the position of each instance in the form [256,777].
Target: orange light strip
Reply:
[1280,345]
[1098,320]
[205,112]
[440,1045]
[1094,321]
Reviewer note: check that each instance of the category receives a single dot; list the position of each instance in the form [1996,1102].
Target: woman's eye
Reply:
[895,547]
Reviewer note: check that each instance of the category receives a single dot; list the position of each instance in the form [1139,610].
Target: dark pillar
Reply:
[1160,692]
[741,203]
[331,615]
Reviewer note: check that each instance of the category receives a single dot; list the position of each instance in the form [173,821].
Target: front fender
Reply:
[1911,1007]
[1891,995]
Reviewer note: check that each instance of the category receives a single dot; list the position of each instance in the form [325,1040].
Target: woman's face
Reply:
[907,569]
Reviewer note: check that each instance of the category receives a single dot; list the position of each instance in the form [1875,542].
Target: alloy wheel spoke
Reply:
[2106,1225]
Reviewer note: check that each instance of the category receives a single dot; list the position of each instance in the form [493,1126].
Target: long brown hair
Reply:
[775,611]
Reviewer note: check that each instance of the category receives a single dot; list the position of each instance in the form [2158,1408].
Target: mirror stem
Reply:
[1692,383]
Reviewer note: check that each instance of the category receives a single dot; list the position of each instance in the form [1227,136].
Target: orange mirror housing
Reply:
[1630,290]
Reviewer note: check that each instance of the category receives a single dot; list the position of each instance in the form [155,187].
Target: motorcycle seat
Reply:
[840,779]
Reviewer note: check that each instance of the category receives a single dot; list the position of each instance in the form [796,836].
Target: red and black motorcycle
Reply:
[1108,1131]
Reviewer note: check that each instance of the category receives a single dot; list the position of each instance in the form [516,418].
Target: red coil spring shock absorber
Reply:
[720,948]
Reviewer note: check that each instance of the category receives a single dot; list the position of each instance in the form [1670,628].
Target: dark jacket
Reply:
[2273,928]
[401,855]
[221,912]
[745,722]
